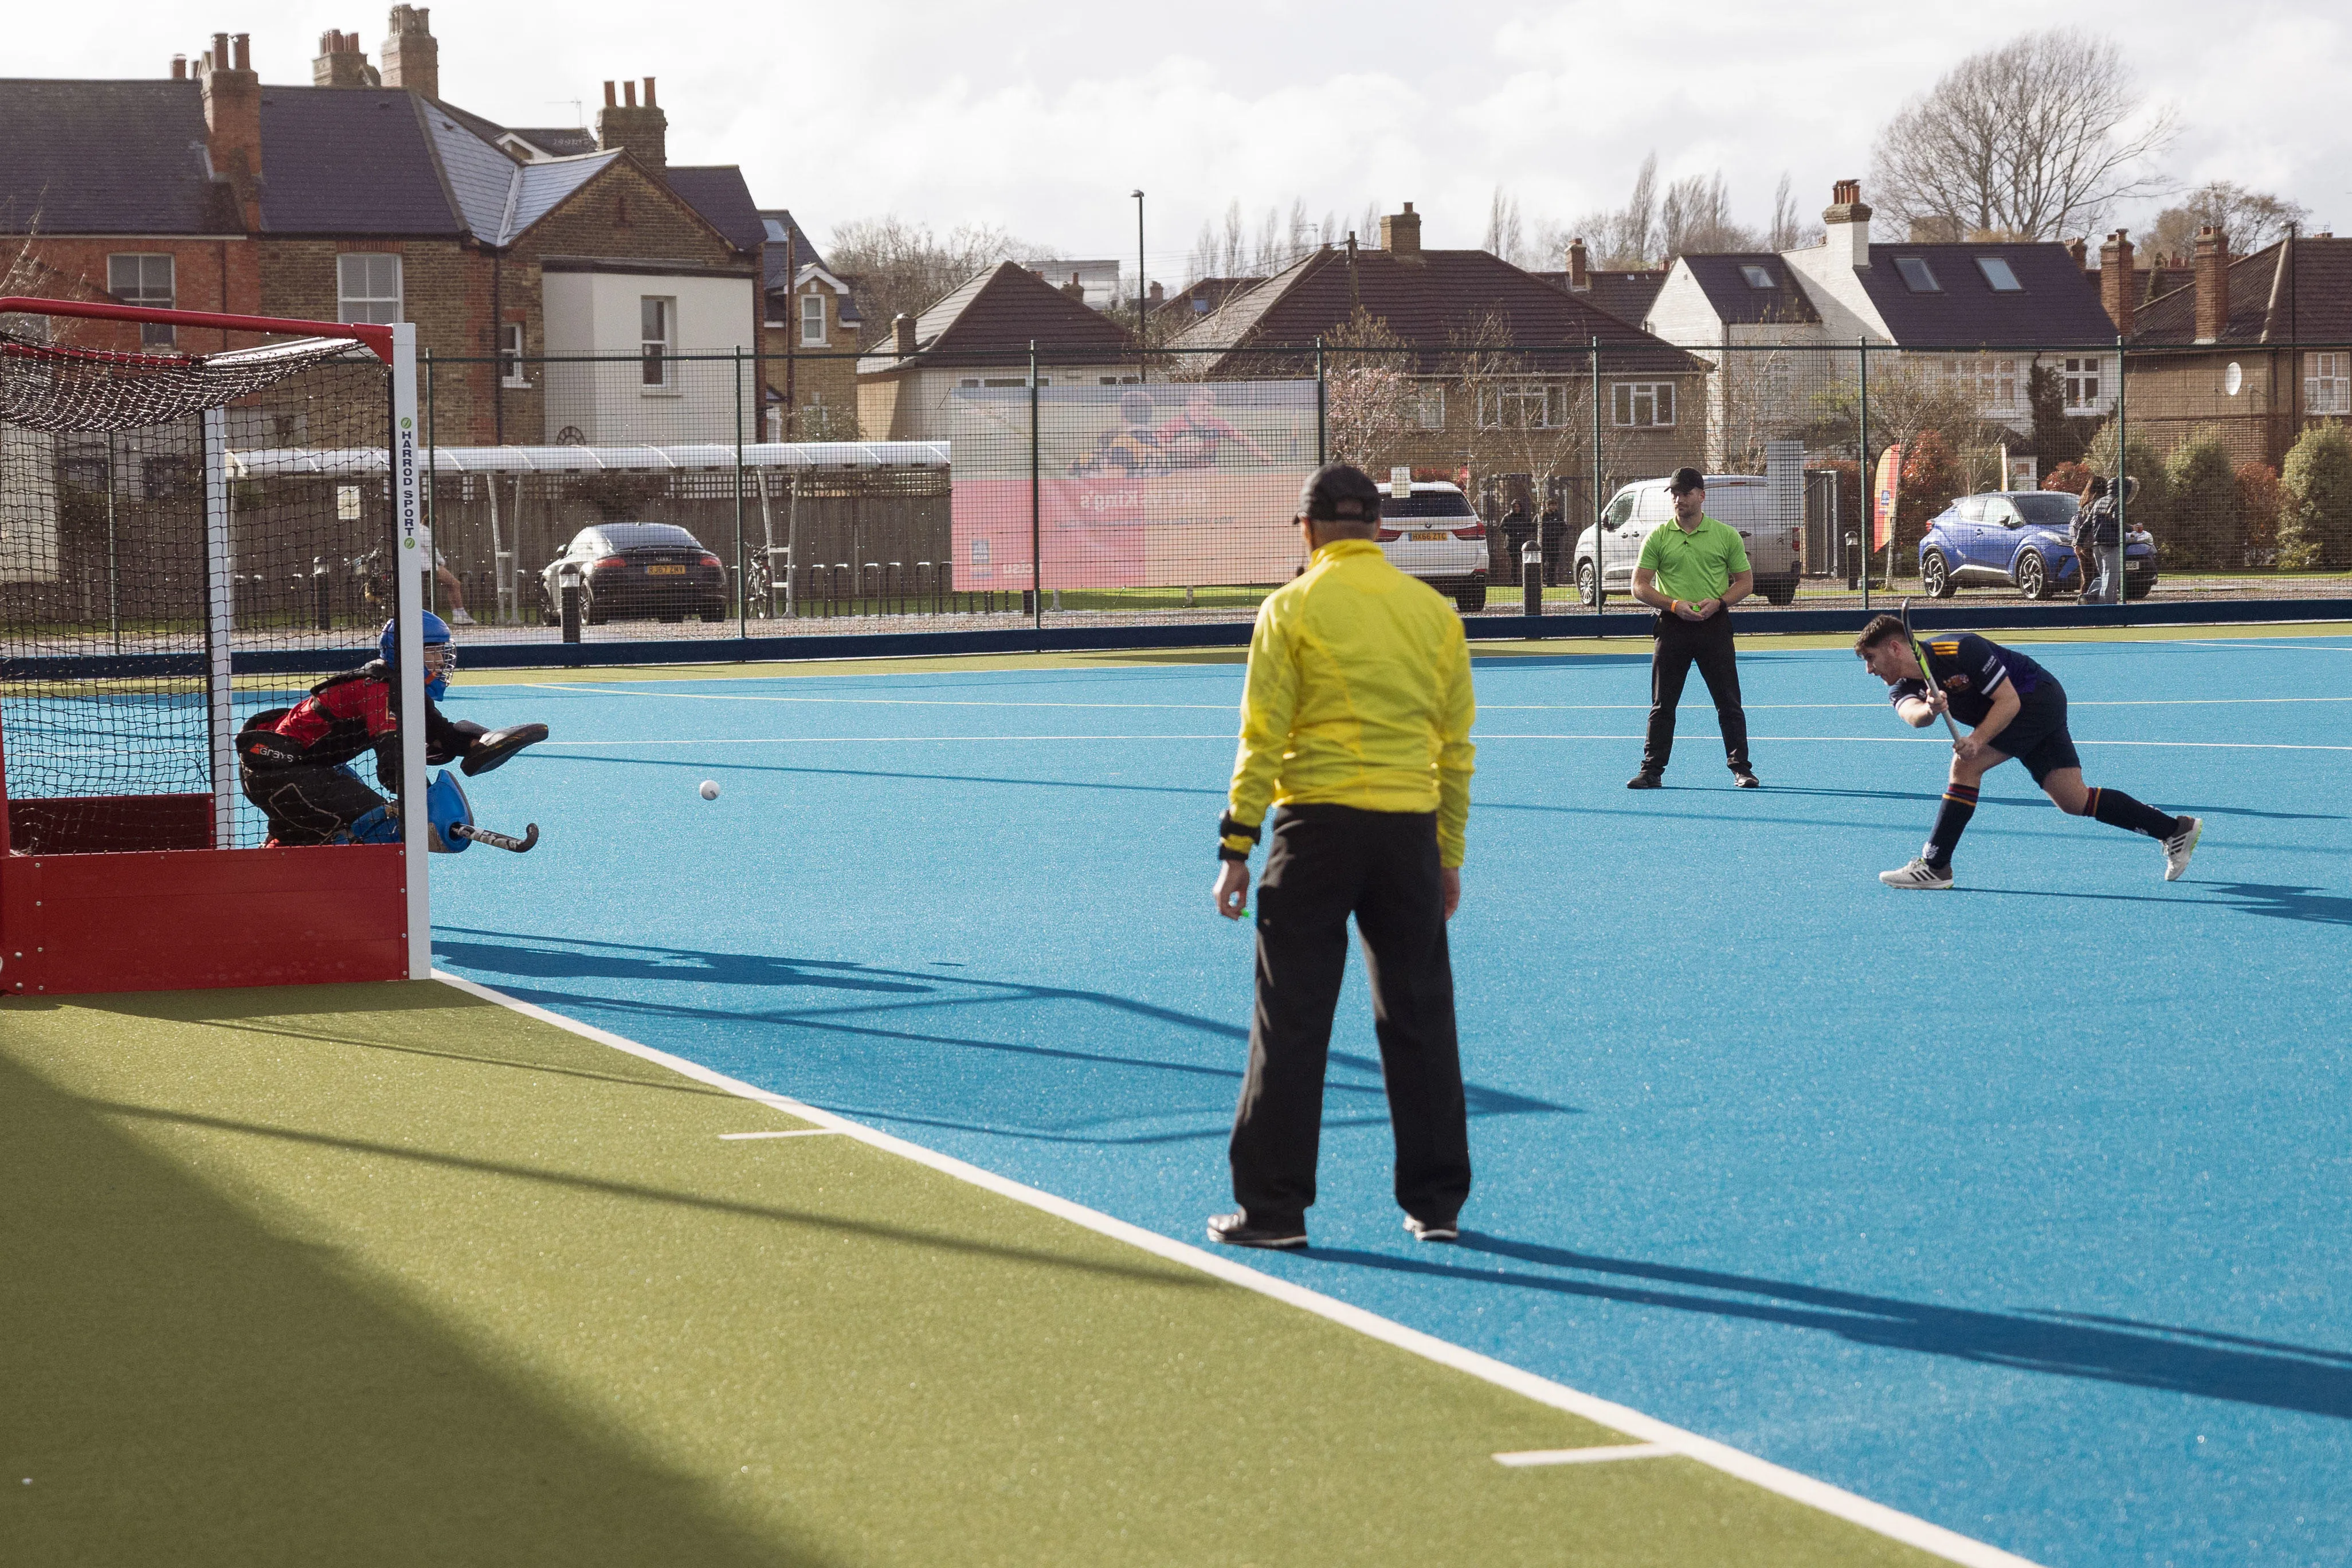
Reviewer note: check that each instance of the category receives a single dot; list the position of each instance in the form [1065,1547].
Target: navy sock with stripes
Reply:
[1951,821]
[2116,809]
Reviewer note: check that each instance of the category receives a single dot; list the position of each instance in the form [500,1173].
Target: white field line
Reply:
[2281,645]
[1835,1501]
[1482,737]
[1528,1456]
[794,1132]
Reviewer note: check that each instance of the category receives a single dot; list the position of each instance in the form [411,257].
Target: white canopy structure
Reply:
[286,462]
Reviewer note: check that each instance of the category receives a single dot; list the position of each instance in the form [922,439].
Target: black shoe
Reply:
[1746,779]
[1646,779]
[1237,1229]
[1432,1229]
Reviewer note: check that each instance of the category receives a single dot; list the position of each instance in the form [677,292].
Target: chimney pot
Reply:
[179,67]
[241,47]
[218,58]
[1579,276]
[610,100]
[649,92]
[902,334]
[1846,221]
[628,95]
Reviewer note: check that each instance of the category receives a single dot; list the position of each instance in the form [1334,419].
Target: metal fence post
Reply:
[1322,441]
[432,523]
[1869,496]
[1036,507]
[2123,488]
[742,599]
[1600,550]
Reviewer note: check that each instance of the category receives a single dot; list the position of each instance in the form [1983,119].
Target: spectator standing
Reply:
[1692,572]
[2082,533]
[1356,723]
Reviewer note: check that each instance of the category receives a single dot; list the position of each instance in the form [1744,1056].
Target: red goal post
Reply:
[151,599]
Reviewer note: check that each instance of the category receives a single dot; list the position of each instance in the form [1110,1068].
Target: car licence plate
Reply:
[665,571]
[1429,533]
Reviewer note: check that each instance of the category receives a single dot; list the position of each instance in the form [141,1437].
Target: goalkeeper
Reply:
[293,762]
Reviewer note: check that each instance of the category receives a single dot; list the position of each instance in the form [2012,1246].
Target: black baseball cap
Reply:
[1685,480]
[1339,492]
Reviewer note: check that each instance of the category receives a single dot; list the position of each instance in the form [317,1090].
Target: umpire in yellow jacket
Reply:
[1356,722]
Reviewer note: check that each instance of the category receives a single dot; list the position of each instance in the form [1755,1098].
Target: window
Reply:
[367,287]
[1757,276]
[656,337]
[1521,406]
[1915,274]
[813,320]
[1429,407]
[2082,377]
[144,281]
[510,365]
[1997,272]
[1117,380]
[1643,404]
[2327,383]
[1992,384]
[1016,381]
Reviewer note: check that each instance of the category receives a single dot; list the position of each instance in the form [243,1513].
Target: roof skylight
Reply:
[1917,275]
[1757,276]
[1998,273]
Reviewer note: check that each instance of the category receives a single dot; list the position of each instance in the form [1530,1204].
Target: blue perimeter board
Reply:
[2021,1209]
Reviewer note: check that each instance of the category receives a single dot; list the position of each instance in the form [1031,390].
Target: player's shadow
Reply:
[2276,900]
[2185,1361]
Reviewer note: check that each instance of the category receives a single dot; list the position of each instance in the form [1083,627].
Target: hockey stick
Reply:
[1925,680]
[498,841]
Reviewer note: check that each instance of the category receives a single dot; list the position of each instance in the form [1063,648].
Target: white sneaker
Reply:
[460,618]
[2181,847]
[1918,874]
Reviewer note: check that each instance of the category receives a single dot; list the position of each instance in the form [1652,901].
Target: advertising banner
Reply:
[1882,496]
[1140,485]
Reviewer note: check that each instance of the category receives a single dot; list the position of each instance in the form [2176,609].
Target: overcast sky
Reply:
[1041,117]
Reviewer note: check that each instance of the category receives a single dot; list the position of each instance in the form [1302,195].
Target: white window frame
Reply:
[142,290]
[1628,400]
[512,372]
[1522,406]
[1428,406]
[2327,383]
[1994,384]
[358,287]
[657,346]
[2083,379]
[813,320]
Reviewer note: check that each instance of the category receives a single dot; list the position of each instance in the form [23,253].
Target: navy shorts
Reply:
[2037,736]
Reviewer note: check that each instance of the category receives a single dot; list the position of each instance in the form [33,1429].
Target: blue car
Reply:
[2018,540]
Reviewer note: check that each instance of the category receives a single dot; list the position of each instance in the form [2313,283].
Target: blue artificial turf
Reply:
[2022,1208]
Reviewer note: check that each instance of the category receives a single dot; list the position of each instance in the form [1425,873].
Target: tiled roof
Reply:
[2298,288]
[108,157]
[1430,303]
[1625,295]
[717,190]
[2059,304]
[777,223]
[538,187]
[1723,278]
[1202,296]
[556,142]
[993,318]
[351,161]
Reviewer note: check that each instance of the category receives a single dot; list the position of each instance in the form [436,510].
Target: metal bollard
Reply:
[1531,579]
[322,595]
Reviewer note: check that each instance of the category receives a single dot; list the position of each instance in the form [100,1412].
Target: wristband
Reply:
[1236,840]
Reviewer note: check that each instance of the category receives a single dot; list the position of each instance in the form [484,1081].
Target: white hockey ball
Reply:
[710,790]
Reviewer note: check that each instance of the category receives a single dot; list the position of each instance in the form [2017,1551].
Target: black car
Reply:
[637,569]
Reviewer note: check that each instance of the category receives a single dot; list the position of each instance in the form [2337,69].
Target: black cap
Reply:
[1686,480]
[1339,492]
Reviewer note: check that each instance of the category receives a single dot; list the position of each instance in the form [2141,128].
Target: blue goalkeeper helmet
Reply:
[436,634]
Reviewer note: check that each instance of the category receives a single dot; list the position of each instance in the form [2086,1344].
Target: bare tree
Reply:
[2034,140]
[1506,236]
[1624,238]
[1696,218]
[1369,397]
[1789,230]
[2251,219]
[897,265]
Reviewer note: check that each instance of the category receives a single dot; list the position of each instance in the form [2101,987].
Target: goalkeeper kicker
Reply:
[295,762]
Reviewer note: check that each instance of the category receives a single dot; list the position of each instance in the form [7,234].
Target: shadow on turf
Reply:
[194,1384]
[2274,900]
[2315,1381]
[560,958]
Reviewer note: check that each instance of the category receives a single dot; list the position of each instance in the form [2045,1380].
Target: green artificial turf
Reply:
[387,1274]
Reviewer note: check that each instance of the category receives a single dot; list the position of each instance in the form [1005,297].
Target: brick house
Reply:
[979,335]
[2257,347]
[1498,378]
[810,339]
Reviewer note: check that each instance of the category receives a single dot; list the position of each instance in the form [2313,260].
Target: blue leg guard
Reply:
[381,825]
[444,808]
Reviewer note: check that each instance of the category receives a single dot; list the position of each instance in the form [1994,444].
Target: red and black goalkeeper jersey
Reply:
[345,715]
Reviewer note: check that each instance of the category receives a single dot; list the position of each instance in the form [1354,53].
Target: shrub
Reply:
[2259,499]
[2068,477]
[2314,530]
[2207,521]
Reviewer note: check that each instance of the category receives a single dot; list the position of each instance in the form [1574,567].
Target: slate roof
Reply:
[108,157]
[1625,295]
[717,190]
[2059,304]
[556,141]
[993,316]
[1199,297]
[1722,278]
[1428,302]
[2298,288]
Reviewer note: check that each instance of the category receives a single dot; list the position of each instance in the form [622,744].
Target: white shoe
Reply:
[1918,874]
[460,618]
[2181,847]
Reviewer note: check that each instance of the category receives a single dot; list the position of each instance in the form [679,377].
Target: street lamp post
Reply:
[1142,331]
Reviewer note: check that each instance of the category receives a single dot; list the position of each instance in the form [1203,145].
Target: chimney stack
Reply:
[179,67]
[1579,273]
[1073,290]
[412,56]
[232,94]
[643,130]
[2116,280]
[1847,223]
[341,62]
[1401,233]
[2079,250]
[902,332]
[2212,267]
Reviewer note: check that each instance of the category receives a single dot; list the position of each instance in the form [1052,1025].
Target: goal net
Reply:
[153,600]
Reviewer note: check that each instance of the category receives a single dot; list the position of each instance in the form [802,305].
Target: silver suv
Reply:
[1774,534]
[1433,535]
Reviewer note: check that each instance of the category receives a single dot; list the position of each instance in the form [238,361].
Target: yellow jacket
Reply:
[1359,694]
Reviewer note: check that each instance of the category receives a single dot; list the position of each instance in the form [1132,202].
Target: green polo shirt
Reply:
[1697,565]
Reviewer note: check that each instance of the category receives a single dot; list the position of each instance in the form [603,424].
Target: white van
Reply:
[1774,534]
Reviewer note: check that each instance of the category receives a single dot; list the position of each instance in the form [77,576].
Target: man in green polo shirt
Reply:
[1692,571]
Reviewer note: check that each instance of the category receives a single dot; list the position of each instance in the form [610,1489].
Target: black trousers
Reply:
[1329,862]
[306,804]
[1680,645]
